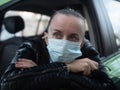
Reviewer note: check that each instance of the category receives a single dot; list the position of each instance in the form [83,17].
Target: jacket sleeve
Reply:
[50,75]
[12,78]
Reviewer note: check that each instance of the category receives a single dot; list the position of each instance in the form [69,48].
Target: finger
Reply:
[94,65]
[30,62]
[24,60]
[18,65]
[21,65]
[25,64]
[89,60]
[87,70]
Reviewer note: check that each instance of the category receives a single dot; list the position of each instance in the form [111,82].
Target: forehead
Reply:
[62,21]
[63,18]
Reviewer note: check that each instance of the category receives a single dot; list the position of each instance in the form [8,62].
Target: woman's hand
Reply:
[83,65]
[25,63]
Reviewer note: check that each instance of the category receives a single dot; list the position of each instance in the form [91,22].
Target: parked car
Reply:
[102,27]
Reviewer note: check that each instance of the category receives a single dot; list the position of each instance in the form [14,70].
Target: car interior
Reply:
[102,40]
[8,47]
[14,24]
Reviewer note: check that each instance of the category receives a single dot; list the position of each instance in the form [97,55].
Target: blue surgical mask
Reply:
[63,50]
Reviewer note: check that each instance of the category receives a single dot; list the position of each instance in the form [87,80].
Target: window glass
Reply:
[35,23]
[113,8]
[2,2]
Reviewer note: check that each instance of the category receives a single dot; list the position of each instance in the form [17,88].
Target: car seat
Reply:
[13,24]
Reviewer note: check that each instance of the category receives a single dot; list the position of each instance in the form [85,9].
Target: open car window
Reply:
[35,24]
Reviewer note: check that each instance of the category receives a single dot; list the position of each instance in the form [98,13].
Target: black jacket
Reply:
[52,76]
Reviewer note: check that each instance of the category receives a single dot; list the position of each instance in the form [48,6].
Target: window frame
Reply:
[101,33]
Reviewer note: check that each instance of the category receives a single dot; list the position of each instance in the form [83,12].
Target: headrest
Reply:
[14,24]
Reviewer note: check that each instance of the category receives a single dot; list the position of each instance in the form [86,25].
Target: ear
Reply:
[46,37]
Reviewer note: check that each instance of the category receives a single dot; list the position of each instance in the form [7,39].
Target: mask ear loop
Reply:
[44,37]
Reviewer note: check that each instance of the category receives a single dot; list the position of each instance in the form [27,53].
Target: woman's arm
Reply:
[50,75]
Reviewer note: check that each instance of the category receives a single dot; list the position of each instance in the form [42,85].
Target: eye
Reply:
[57,35]
[74,38]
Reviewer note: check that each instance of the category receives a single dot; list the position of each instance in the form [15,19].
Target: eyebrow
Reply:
[57,30]
[74,34]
